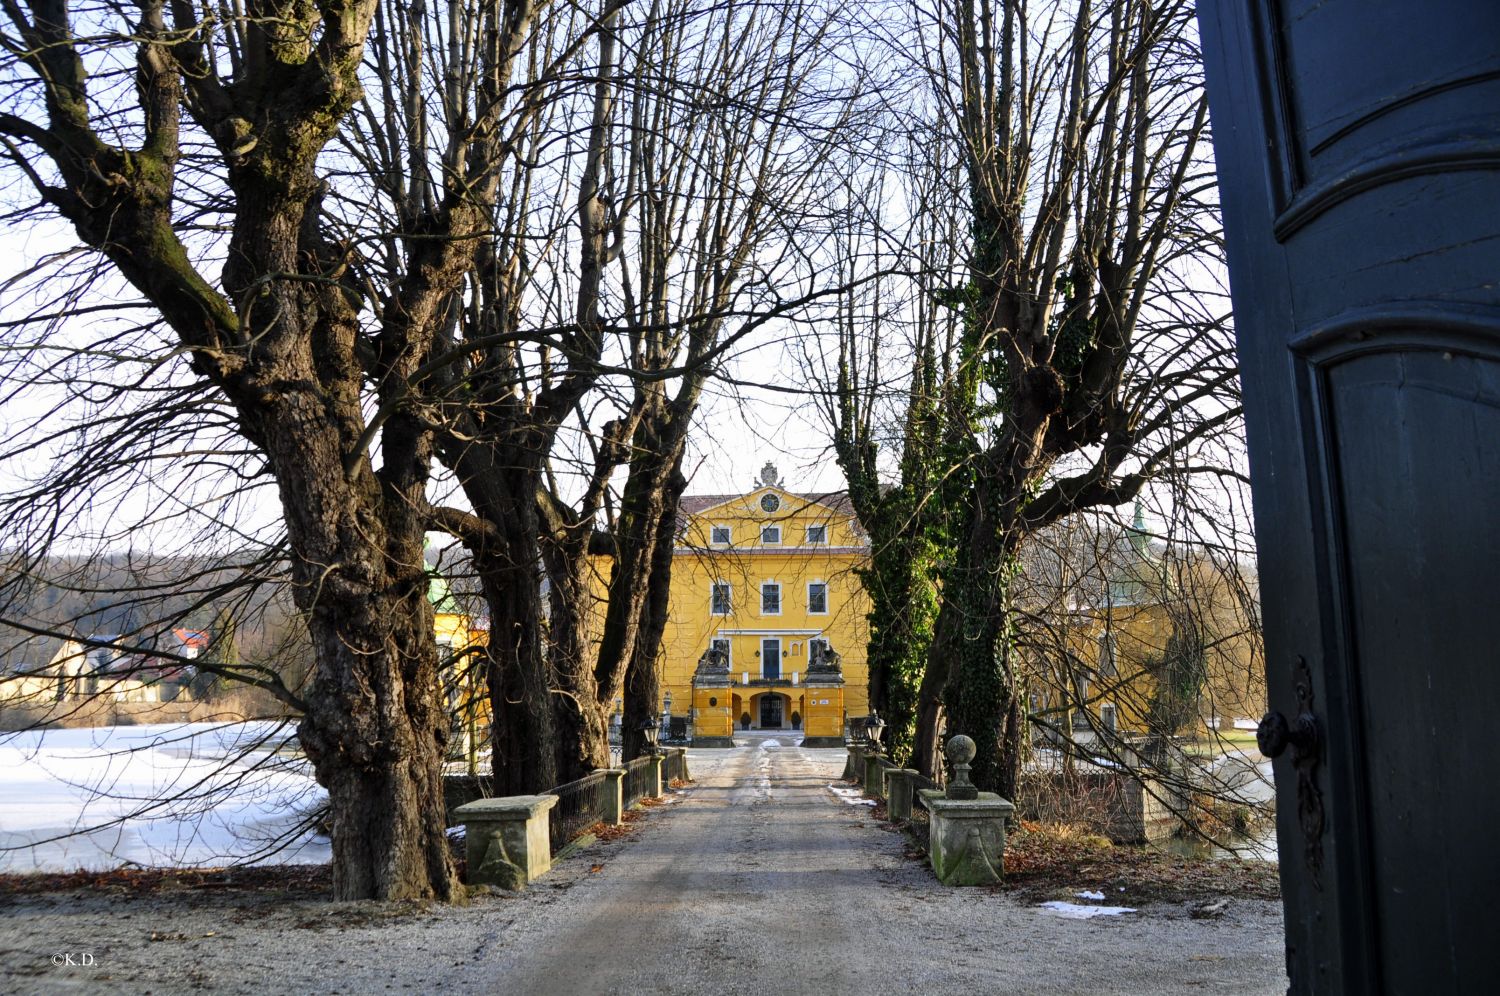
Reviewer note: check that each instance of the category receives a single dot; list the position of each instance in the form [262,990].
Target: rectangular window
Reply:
[770,534]
[720,599]
[817,597]
[770,599]
[719,535]
[817,535]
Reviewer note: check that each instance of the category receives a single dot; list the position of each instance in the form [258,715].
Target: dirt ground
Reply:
[758,879]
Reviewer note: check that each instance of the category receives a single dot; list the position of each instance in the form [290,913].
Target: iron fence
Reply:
[674,768]
[638,778]
[578,808]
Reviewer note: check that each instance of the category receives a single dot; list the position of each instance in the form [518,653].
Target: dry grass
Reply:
[313,881]
[1053,861]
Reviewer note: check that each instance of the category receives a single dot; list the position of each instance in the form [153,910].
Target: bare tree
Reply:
[696,176]
[287,335]
[1087,363]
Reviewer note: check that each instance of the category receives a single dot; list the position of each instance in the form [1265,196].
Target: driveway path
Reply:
[757,880]
[764,881]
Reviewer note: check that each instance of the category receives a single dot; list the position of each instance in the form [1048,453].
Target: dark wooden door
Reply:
[1358,147]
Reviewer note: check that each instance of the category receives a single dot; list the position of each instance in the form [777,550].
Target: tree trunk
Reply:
[523,731]
[643,674]
[374,728]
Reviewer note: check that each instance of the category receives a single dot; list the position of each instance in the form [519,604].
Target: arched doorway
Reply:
[770,711]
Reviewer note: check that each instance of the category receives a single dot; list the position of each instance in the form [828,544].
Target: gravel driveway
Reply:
[760,879]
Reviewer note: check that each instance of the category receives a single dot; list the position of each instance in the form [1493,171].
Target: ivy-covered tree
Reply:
[1085,366]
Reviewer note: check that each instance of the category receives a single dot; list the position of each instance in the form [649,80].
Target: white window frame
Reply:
[808,536]
[763,586]
[713,539]
[810,610]
[770,528]
[728,598]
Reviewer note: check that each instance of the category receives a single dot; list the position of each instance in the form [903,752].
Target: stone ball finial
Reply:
[960,750]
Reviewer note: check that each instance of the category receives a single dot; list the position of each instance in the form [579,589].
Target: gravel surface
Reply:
[759,879]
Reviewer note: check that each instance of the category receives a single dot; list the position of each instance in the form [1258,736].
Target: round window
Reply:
[712,701]
[769,502]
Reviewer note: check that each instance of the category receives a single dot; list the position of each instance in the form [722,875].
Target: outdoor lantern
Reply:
[651,731]
[874,727]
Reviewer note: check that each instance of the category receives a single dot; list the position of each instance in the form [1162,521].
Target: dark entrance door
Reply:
[1358,145]
[771,711]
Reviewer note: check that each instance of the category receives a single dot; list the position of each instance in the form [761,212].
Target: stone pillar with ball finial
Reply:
[966,836]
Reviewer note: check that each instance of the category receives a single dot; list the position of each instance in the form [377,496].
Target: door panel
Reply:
[1358,146]
[1416,436]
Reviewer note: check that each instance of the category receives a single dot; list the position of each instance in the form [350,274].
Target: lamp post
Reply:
[650,732]
[874,727]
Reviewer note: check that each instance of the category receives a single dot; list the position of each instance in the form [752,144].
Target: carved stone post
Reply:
[874,775]
[854,764]
[506,839]
[966,836]
[653,780]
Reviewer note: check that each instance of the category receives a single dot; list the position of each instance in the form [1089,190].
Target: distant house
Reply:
[190,643]
[1142,641]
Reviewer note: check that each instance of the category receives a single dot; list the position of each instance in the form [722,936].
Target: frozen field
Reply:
[170,795]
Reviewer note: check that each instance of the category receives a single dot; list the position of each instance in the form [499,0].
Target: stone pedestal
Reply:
[713,726]
[966,842]
[854,765]
[823,719]
[898,793]
[874,775]
[654,784]
[507,840]
[612,796]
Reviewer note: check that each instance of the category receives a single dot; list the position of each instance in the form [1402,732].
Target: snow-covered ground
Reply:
[168,795]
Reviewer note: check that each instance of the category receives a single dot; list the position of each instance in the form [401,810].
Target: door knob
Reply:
[1274,735]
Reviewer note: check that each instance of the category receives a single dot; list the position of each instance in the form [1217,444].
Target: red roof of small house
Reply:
[196,639]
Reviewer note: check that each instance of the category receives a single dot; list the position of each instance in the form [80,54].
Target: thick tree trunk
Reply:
[971,644]
[374,728]
[523,731]
[643,674]
[926,750]
[382,763]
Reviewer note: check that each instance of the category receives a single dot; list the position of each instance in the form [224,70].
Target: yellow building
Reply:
[461,642]
[1108,662]
[767,611]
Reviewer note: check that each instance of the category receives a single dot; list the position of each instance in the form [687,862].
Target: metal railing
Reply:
[674,768]
[638,781]
[578,808]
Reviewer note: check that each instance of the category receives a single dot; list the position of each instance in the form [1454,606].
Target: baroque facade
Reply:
[767,612]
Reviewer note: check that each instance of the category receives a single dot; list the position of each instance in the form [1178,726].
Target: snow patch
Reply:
[1089,895]
[850,795]
[88,798]
[1073,911]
